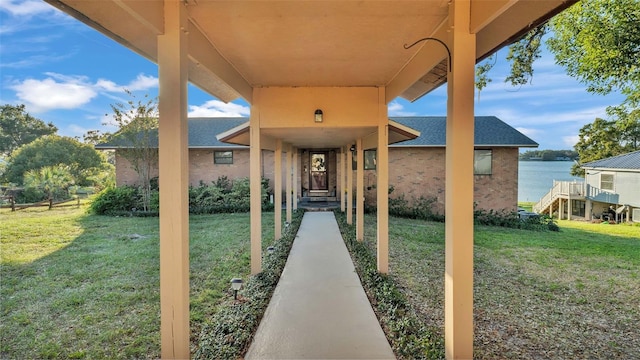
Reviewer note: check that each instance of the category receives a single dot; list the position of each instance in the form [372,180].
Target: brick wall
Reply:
[417,172]
[413,172]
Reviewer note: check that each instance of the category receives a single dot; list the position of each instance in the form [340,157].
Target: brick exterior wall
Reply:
[413,172]
[417,172]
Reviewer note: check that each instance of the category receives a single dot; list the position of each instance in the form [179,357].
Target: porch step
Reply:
[319,199]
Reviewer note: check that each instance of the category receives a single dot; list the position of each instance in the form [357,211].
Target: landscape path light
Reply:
[236,284]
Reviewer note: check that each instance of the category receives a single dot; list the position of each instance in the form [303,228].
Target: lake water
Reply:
[535,178]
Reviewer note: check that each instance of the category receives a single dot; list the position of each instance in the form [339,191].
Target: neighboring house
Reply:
[614,181]
[417,167]
[611,191]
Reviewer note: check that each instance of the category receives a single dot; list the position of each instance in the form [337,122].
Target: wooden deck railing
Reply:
[575,189]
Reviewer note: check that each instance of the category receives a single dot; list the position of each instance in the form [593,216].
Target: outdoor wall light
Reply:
[236,284]
[353,148]
[318,116]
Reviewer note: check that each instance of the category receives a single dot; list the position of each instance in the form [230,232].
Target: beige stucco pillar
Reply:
[349,190]
[255,177]
[277,190]
[382,174]
[459,186]
[289,182]
[342,174]
[295,179]
[174,177]
[359,191]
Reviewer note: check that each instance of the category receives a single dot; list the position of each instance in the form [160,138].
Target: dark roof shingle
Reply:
[489,131]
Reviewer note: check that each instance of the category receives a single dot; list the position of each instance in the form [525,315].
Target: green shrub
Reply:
[30,195]
[116,201]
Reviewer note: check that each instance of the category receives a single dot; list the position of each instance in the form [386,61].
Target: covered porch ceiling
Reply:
[235,46]
[321,137]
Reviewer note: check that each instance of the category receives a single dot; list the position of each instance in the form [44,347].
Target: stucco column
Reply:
[359,191]
[459,186]
[342,173]
[289,182]
[382,189]
[295,179]
[255,183]
[277,190]
[174,182]
[349,191]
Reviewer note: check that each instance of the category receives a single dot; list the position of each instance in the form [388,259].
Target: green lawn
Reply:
[83,286]
[565,295]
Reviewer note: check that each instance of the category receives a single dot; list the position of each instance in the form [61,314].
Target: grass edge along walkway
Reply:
[409,336]
[230,332]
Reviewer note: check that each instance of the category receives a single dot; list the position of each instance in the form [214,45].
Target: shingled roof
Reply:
[202,133]
[629,161]
[489,131]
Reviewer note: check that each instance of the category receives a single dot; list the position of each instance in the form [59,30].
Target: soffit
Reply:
[238,45]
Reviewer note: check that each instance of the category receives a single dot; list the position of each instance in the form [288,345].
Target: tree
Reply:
[81,159]
[18,128]
[50,179]
[138,139]
[606,138]
[596,41]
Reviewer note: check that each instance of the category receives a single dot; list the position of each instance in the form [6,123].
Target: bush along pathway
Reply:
[229,333]
[409,336]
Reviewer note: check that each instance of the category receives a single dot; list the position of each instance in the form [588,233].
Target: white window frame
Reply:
[216,159]
[613,181]
[477,153]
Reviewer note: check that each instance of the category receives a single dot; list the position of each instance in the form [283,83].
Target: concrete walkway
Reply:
[319,309]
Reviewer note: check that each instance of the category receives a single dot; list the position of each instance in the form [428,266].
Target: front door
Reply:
[318,180]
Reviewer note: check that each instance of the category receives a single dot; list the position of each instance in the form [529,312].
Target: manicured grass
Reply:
[527,205]
[570,294]
[83,286]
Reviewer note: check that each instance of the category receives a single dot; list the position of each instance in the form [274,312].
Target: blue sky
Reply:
[69,74]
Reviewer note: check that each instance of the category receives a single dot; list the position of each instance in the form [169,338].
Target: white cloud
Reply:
[141,82]
[217,108]
[25,8]
[49,94]
[570,140]
[396,109]
[530,132]
[59,91]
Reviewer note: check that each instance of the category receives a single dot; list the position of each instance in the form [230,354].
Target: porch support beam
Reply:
[343,173]
[349,190]
[174,174]
[459,186]
[255,183]
[289,181]
[295,178]
[277,191]
[359,191]
[382,174]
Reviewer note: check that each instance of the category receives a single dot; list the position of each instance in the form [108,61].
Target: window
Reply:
[482,162]
[369,159]
[223,157]
[606,182]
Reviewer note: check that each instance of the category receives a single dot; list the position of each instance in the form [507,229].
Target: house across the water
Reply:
[416,167]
